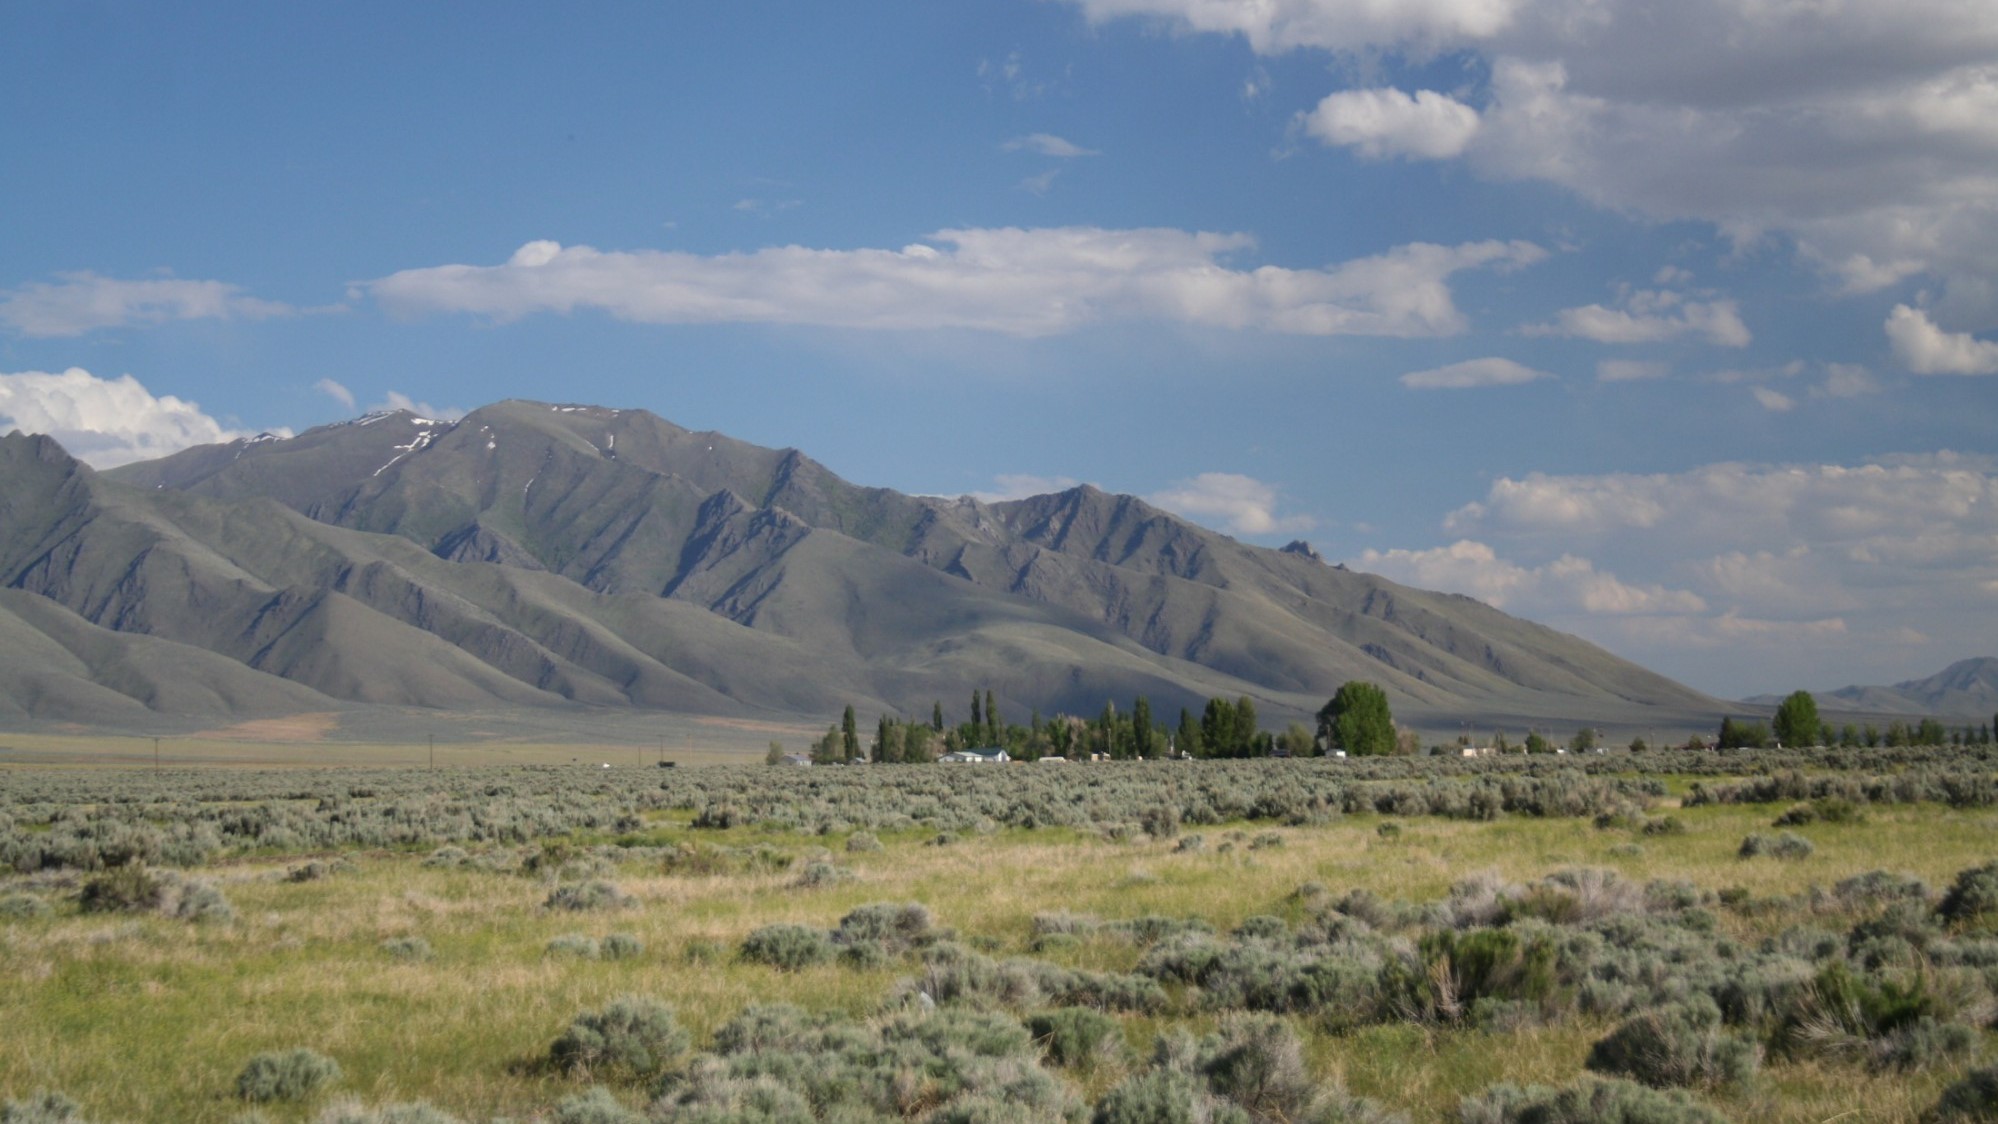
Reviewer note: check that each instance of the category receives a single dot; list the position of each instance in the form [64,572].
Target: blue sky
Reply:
[1676,328]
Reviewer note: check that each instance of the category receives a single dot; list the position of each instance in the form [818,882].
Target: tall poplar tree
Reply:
[1141,726]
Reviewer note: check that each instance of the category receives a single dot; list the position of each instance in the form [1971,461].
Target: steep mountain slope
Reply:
[533,555]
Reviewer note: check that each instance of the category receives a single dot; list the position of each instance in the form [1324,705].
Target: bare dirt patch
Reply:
[755,726]
[295,728]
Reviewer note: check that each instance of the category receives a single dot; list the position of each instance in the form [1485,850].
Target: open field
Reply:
[410,926]
[301,742]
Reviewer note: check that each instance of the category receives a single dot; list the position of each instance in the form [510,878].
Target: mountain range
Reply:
[533,557]
[1964,689]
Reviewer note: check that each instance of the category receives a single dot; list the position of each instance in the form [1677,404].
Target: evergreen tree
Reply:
[994,729]
[1796,722]
[1357,720]
[887,747]
[977,713]
[1141,726]
[849,736]
[936,716]
[1246,727]
[1217,728]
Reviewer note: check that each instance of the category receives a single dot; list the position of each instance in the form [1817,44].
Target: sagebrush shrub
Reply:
[1074,1035]
[621,946]
[22,907]
[42,1108]
[202,901]
[580,896]
[822,874]
[1923,1043]
[787,946]
[353,1112]
[1154,1097]
[1679,1044]
[411,949]
[1787,845]
[125,889]
[632,1037]
[1973,898]
[1973,1098]
[1592,1100]
[1257,1062]
[286,1075]
[573,944]
[596,1105]
[862,841]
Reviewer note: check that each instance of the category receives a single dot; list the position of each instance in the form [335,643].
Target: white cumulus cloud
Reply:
[1926,349]
[1237,504]
[84,302]
[1723,575]
[1864,130]
[1385,122]
[1565,585]
[1473,373]
[106,422]
[1025,282]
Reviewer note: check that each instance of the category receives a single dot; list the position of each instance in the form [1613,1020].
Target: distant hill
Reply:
[556,556]
[1964,689]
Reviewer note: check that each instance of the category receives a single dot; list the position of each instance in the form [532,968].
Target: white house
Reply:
[985,755]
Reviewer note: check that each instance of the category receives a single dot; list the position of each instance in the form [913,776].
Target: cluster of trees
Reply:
[1355,721]
[1796,723]
[1224,729]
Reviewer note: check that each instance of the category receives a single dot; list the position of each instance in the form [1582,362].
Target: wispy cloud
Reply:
[335,391]
[84,302]
[1047,144]
[1650,316]
[1020,485]
[1473,373]
[1025,282]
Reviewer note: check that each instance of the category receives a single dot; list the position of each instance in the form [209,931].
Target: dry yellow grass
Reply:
[150,1019]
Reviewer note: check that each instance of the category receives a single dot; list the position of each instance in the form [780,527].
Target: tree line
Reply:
[1224,728]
